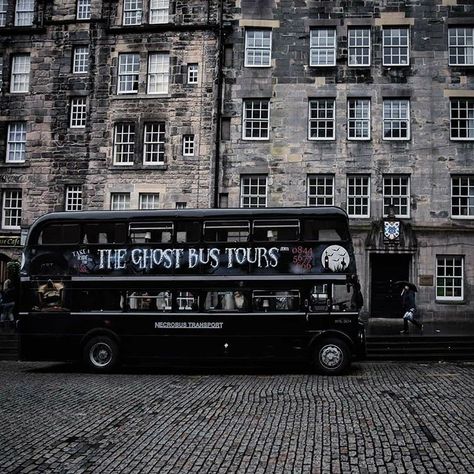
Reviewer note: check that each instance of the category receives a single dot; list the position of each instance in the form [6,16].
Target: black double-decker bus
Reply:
[123,286]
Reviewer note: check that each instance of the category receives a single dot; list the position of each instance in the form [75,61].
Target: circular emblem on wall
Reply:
[335,258]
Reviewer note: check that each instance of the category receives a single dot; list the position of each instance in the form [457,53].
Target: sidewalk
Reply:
[393,326]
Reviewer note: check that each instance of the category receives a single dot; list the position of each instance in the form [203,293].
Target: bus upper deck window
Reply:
[276,231]
[106,233]
[327,230]
[226,231]
[60,234]
[188,231]
[151,232]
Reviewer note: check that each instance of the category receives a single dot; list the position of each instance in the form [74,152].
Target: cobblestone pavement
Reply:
[381,417]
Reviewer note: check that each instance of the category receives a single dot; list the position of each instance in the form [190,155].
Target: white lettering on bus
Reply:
[188,325]
[149,258]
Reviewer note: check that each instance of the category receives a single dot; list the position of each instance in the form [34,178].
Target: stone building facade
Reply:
[367,105]
[115,108]
[362,104]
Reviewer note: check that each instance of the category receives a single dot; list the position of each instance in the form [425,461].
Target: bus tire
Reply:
[331,356]
[100,354]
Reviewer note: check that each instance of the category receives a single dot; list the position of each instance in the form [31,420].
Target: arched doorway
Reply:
[392,258]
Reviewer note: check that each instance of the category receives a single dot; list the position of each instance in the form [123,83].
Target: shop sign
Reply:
[9,241]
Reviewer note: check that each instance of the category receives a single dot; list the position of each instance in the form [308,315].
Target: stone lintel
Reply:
[394,19]
[247,23]
[458,93]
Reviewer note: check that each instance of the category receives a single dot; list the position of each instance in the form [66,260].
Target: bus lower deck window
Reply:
[263,300]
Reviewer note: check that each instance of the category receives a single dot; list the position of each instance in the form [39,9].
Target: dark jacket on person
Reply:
[408,299]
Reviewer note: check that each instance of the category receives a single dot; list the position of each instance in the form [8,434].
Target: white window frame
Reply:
[20,77]
[159,12]
[78,112]
[1,72]
[258,47]
[463,200]
[12,203]
[393,114]
[158,73]
[24,12]
[83,11]
[80,63]
[392,42]
[320,190]
[256,117]
[325,106]
[181,205]
[188,145]
[362,183]
[247,197]
[132,12]
[119,201]
[154,143]
[193,73]
[73,198]
[148,200]
[465,107]
[16,142]
[128,73]
[124,144]
[448,265]
[397,199]
[323,47]
[359,39]
[3,12]
[358,119]
[459,38]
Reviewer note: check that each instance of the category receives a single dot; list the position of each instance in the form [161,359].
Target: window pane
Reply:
[253,191]
[158,73]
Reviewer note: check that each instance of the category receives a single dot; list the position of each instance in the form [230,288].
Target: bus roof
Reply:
[320,212]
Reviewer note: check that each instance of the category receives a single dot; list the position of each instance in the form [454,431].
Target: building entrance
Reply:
[385,297]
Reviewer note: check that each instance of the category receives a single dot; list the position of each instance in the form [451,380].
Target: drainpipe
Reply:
[220,82]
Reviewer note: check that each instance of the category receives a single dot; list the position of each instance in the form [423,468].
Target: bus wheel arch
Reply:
[100,351]
[331,353]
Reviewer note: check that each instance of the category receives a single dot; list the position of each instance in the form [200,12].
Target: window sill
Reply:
[453,302]
[136,96]
[135,167]
[15,165]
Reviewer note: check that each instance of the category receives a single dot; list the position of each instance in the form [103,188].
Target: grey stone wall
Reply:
[58,155]
[429,157]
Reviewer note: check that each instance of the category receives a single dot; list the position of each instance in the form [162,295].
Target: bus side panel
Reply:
[47,337]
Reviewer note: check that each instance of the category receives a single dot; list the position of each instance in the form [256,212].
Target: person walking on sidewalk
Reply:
[8,303]
[409,309]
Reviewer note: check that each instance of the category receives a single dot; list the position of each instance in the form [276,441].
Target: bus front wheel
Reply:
[101,354]
[331,356]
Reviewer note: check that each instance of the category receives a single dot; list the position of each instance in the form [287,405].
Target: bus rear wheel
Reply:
[100,354]
[331,356]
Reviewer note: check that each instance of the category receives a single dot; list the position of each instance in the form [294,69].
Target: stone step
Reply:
[420,348]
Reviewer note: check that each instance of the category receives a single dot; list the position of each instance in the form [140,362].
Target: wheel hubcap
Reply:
[100,354]
[331,356]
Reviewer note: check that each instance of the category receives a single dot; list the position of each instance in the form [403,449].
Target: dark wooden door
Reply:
[385,296]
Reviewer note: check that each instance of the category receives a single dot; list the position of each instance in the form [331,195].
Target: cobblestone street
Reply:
[381,417]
